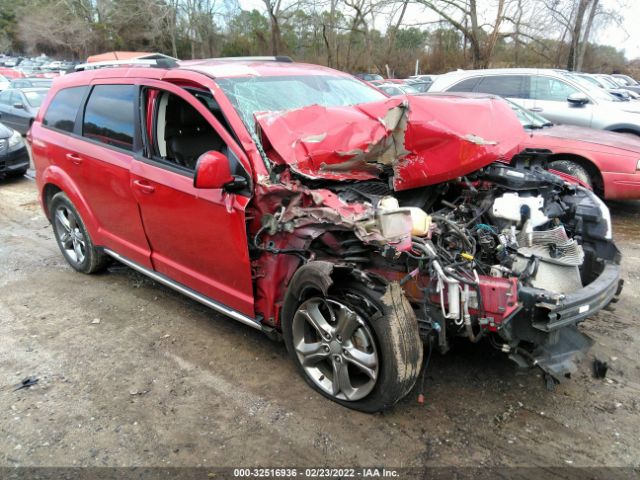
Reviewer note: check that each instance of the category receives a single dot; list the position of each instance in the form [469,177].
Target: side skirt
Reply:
[163,279]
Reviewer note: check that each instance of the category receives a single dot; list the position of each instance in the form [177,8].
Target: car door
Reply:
[21,111]
[100,157]
[507,86]
[198,237]
[549,99]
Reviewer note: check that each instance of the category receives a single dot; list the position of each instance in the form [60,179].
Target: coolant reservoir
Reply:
[420,222]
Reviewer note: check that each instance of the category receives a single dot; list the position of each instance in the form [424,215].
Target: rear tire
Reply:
[380,355]
[574,169]
[72,236]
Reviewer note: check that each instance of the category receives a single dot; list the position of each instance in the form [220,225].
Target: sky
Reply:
[625,36]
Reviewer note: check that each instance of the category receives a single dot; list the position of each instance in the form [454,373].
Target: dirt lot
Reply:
[131,373]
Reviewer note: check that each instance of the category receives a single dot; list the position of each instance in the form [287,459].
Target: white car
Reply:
[4,83]
[555,94]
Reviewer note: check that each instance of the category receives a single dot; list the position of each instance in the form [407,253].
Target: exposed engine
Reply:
[497,254]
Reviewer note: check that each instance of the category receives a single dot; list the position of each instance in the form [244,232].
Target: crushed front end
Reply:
[510,253]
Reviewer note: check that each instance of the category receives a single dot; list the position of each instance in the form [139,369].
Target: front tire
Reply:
[353,345]
[574,169]
[72,236]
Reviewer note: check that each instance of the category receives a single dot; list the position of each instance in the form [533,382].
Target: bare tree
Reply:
[463,16]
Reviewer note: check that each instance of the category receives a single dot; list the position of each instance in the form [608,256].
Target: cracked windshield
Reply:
[265,94]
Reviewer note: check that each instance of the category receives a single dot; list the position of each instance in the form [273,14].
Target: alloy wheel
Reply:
[70,234]
[335,348]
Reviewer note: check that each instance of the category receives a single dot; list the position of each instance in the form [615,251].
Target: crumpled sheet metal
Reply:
[424,140]
[310,207]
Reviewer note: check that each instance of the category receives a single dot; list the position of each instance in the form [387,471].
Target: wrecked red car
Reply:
[359,228]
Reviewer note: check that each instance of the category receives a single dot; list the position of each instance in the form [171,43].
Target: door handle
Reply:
[144,187]
[74,158]
[536,109]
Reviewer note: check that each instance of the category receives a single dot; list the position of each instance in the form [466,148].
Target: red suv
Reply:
[300,201]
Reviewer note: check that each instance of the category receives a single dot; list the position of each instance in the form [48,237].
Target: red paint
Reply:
[432,139]
[614,155]
[212,171]
[11,73]
[199,237]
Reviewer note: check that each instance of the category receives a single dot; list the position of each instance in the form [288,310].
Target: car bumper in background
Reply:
[621,185]
[14,160]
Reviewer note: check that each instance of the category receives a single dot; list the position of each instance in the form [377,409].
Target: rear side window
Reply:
[109,115]
[465,85]
[63,109]
[503,85]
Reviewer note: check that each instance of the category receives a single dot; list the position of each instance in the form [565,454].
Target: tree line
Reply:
[389,37]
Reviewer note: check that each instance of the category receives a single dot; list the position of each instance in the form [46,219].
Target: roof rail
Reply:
[277,58]
[154,63]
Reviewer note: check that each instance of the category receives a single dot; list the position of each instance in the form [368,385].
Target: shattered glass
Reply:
[250,95]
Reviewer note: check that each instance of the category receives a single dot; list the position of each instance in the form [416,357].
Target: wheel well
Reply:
[47,194]
[592,170]
[626,130]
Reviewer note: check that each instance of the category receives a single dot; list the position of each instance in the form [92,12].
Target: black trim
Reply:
[164,164]
[566,311]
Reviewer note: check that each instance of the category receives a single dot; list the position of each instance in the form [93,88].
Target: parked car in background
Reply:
[10,73]
[4,83]
[31,83]
[553,94]
[605,161]
[14,158]
[369,77]
[309,205]
[607,85]
[612,85]
[398,89]
[19,106]
[625,80]
[421,86]
[423,78]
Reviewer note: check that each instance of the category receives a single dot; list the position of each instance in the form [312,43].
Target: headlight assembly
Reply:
[15,139]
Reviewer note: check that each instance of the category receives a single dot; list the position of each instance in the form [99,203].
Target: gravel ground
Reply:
[132,374]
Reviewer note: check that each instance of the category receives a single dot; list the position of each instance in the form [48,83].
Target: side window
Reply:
[179,134]
[464,86]
[550,89]
[509,86]
[109,115]
[5,98]
[63,109]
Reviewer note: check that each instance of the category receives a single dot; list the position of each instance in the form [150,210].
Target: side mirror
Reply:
[212,171]
[18,105]
[578,99]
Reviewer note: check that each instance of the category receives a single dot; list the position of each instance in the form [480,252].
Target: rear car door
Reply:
[549,96]
[198,237]
[513,87]
[100,155]
[21,112]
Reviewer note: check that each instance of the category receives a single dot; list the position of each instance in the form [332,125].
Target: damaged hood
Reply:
[420,140]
